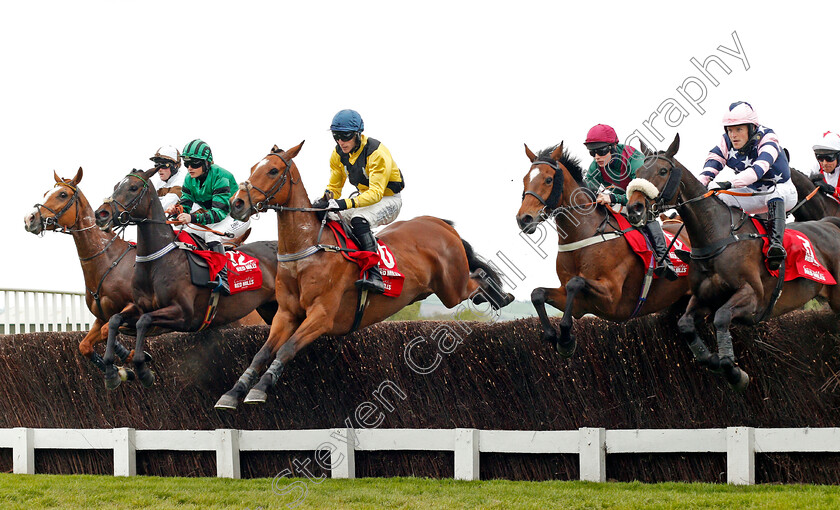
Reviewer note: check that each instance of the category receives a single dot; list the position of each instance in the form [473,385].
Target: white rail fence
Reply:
[336,447]
[30,311]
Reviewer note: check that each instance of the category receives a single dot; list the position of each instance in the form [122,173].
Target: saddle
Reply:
[206,266]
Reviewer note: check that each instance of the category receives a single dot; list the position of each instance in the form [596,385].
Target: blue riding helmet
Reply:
[348,120]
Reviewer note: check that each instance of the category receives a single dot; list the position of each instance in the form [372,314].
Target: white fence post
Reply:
[593,454]
[125,454]
[466,454]
[343,456]
[23,451]
[227,453]
[740,455]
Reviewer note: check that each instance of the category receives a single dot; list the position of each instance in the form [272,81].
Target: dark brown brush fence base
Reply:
[635,375]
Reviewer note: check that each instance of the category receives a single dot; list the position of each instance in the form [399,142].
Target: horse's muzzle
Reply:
[32,222]
[239,210]
[104,218]
[527,223]
[636,213]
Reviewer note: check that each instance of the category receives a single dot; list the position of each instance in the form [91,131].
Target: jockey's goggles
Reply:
[344,136]
[826,157]
[194,163]
[603,151]
[164,164]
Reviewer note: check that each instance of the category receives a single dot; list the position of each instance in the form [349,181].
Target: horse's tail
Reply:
[488,279]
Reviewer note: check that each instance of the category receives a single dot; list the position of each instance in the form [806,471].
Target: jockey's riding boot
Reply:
[220,248]
[660,249]
[216,246]
[776,229]
[373,278]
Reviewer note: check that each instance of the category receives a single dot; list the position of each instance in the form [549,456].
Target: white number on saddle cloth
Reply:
[386,258]
[678,244]
[809,251]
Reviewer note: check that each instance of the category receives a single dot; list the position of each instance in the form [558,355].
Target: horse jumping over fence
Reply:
[315,289]
[598,270]
[728,274]
[162,292]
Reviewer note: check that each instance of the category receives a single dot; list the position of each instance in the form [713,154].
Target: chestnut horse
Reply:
[107,260]
[603,277]
[162,292]
[812,204]
[728,275]
[315,289]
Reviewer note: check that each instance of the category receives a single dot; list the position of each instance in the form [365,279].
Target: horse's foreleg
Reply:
[557,298]
[282,327]
[688,328]
[318,321]
[173,316]
[742,304]
[112,377]
[93,337]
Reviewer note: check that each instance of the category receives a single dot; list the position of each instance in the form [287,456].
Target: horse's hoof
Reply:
[227,403]
[112,382]
[743,382]
[256,396]
[566,349]
[126,374]
[550,335]
[147,378]
[714,363]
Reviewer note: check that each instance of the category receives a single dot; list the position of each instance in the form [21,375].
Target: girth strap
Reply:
[156,255]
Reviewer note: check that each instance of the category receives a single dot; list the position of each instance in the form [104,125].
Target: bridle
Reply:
[52,221]
[552,203]
[671,189]
[124,217]
[268,196]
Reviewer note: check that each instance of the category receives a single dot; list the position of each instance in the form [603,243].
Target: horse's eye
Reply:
[274,171]
[63,194]
[548,180]
[663,171]
[133,187]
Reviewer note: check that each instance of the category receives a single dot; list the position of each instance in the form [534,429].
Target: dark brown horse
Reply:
[162,292]
[315,289]
[107,260]
[812,204]
[604,278]
[728,276]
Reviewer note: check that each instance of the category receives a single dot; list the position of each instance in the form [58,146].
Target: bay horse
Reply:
[728,275]
[812,204]
[162,292]
[107,259]
[315,289]
[599,274]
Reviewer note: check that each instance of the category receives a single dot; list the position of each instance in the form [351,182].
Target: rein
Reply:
[802,202]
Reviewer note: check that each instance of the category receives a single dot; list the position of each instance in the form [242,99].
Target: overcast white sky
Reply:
[453,89]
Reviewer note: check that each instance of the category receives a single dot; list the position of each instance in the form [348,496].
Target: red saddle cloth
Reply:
[365,259]
[639,244]
[243,269]
[800,261]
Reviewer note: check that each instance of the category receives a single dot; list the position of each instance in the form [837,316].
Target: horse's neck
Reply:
[156,234]
[89,239]
[707,221]
[296,231]
[580,223]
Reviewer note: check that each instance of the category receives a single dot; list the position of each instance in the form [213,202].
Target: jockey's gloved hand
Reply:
[826,187]
[724,185]
[321,203]
[337,205]
[817,178]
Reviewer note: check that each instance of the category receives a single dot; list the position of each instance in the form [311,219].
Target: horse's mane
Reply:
[571,163]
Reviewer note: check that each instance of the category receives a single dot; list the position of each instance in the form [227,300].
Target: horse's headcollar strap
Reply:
[275,188]
[47,222]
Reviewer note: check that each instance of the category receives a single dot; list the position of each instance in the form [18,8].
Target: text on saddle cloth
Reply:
[243,270]
[387,262]
[639,243]
[801,262]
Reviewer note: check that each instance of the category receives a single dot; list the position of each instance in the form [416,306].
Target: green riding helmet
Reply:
[197,149]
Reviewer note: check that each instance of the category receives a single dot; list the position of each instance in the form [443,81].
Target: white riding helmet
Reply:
[829,143]
[170,153]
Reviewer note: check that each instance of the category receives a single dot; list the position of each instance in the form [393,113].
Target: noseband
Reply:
[268,196]
[124,217]
[53,220]
[671,188]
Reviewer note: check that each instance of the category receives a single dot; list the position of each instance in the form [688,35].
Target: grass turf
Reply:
[86,491]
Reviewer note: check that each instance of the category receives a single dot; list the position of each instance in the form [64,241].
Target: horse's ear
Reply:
[530,154]
[557,153]
[149,173]
[76,180]
[276,149]
[57,178]
[294,150]
[645,149]
[674,147]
